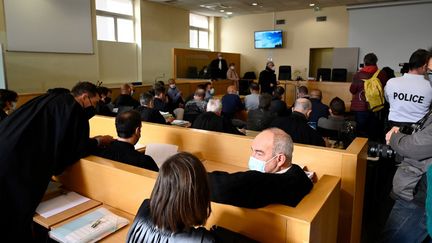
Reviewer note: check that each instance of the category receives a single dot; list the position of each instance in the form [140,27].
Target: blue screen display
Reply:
[268,39]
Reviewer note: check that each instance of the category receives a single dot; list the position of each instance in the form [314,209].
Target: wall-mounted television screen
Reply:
[268,39]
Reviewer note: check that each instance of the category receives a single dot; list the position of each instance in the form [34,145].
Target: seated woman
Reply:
[180,200]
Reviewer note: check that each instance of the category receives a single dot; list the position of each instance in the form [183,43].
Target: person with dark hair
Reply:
[8,99]
[204,73]
[233,75]
[297,125]
[218,67]
[410,96]
[128,126]
[211,120]
[336,119]
[147,112]
[103,106]
[277,105]
[251,101]
[179,207]
[174,95]
[272,178]
[318,108]
[231,103]
[37,141]
[160,99]
[389,72]
[267,79]
[196,106]
[367,123]
[209,90]
[302,92]
[262,117]
[125,98]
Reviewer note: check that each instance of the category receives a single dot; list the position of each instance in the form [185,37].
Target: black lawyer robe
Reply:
[38,140]
[254,189]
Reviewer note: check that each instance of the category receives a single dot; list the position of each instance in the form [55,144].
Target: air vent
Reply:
[280,21]
[321,18]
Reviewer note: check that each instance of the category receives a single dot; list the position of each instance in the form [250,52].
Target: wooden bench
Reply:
[234,150]
[124,187]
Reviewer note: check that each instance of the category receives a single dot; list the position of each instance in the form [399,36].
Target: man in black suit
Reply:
[279,106]
[218,67]
[297,126]
[272,177]
[147,111]
[128,125]
[125,98]
[318,108]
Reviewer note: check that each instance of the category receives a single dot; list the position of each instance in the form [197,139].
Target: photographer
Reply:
[407,220]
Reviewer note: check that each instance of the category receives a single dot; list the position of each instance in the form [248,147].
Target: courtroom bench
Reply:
[124,187]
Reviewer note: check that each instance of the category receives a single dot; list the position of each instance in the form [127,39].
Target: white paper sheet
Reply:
[139,146]
[160,152]
[59,204]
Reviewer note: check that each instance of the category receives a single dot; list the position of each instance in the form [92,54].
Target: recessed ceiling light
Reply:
[311,4]
[254,4]
[222,10]
[229,13]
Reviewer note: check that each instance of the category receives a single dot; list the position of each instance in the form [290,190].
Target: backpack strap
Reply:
[376,74]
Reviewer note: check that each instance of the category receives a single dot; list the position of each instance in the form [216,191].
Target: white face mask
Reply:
[14,104]
[429,75]
[212,91]
[232,67]
[172,86]
[258,165]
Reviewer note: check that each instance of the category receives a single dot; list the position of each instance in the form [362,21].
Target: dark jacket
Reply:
[211,122]
[3,115]
[231,103]
[318,110]
[358,102]
[254,189]
[161,105]
[267,77]
[215,72]
[38,140]
[151,115]
[126,153]
[103,109]
[259,119]
[126,100]
[143,230]
[297,127]
[279,107]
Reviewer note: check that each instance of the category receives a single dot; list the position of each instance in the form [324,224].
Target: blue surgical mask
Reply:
[258,165]
[429,75]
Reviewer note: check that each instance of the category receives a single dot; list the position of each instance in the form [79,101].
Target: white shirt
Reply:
[410,97]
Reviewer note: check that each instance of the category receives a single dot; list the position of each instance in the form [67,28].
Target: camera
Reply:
[381,150]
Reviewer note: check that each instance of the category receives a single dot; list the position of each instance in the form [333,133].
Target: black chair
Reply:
[323,74]
[192,72]
[339,74]
[284,73]
[244,86]
[249,75]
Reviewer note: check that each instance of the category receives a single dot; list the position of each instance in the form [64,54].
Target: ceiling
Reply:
[242,7]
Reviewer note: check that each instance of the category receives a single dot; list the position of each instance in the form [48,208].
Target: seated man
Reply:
[212,120]
[196,106]
[262,117]
[272,177]
[128,125]
[336,119]
[125,98]
[104,105]
[148,113]
[252,100]
[297,126]
[231,103]
[279,106]
[160,100]
[318,108]
[174,95]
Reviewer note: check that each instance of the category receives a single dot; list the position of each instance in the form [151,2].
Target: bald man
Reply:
[125,98]
[231,103]
[297,126]
[318,108]
[272,178]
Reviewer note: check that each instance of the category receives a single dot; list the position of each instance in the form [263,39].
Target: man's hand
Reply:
[169,119]
[103,141]
[390,133]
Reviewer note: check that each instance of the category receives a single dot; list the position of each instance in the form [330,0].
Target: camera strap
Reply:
[422,121]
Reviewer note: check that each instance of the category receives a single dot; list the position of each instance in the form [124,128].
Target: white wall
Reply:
[392,33]
[301,32]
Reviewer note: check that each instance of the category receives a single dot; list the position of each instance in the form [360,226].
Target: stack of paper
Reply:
[89,228]
[59,204]
[160,152]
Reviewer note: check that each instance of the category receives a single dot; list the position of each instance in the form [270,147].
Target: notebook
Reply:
[89,228]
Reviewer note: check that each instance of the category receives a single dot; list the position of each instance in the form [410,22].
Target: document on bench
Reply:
[91,227]
[59,204]
[160,152]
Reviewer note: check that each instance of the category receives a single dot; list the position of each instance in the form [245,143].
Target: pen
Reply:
[96,223]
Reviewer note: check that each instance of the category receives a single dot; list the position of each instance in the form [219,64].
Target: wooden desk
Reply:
[118,236]
[65,215]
